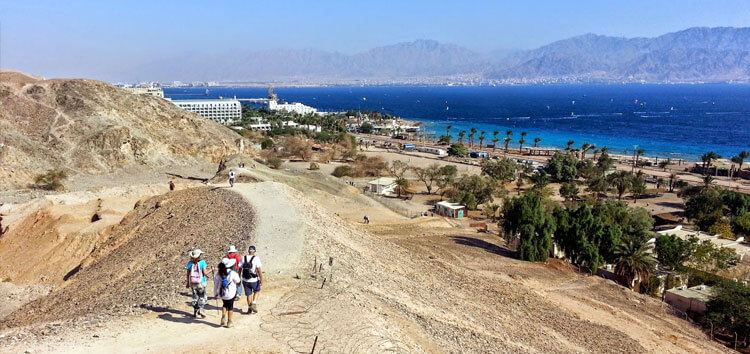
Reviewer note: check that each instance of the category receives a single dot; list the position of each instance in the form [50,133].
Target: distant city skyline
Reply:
[94,39]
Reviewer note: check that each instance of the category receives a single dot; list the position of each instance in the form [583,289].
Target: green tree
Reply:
[428,175]
[522,141]
[495,139]
[458,150]
[673,251]
[580,234]
[471,136]
[446,177]
[584,148]
[402,185]
[461,135]
[366,128]
[637,185]
[704,208]
[569,190]
[529,219]
[502,170]
[562,167]
[621,181]
[728,308]
[633,261]
[711,258]
[481,139]
[569,145]
[536,141]
[473,190]
[397,168]
[448,133]
[741,224]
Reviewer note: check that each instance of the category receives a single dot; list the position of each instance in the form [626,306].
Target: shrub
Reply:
[723,229]
[50,181]
[274,162]
[458,150]
[343,170]
[741,224]
[314,166]
[266,143]
[651,286]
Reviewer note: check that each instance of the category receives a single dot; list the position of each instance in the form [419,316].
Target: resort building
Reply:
[738,245]
[224,111]
[149,91]
[382,185]
[451,210]
[260,127]
[690,300]
[294,107]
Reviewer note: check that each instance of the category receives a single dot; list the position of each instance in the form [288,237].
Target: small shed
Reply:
[382,185]
[452,210]
[692,300]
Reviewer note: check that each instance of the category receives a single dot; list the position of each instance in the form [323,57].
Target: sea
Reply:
[669,121]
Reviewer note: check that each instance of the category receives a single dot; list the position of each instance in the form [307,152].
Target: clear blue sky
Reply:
[69,38]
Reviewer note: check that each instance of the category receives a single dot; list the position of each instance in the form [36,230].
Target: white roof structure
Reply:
[383,181]
[449,205]
[698,292]
[739,245]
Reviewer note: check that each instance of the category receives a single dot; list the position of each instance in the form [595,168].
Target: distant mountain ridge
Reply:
[697,54]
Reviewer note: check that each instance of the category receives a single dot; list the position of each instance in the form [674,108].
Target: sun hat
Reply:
[232,249]
[195,253]
[228,262]
[251,249]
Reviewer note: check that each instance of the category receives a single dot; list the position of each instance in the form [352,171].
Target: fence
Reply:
[393,205]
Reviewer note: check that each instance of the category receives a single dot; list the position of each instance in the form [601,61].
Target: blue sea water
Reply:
[679,121]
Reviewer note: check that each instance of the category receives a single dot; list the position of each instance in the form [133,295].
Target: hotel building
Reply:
[224,111]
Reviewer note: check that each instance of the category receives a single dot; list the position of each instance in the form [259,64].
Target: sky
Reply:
[87,38]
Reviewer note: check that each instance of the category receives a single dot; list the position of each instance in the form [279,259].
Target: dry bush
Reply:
[50,181]
[298,146]
[371,166]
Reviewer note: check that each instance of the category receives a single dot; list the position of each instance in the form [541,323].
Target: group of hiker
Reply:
[234,274]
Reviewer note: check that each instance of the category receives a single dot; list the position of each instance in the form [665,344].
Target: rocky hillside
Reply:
[90,127]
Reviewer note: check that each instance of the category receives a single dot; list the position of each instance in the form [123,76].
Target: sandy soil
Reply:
[404,285]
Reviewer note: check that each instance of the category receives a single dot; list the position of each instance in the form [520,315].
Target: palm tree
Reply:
[672,180]
[461,135]
[448,132]
[471,136]
[634,261]
[708,159]
[636,154]
[481,138]
[621,181]
[596,153]
[708,181]
[536,141]
[521,142]
[507,139]
[740,159]
[585,147]
[570,143]
[402,184]
[495,139]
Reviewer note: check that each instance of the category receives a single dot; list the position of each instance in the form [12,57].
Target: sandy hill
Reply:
[91,127]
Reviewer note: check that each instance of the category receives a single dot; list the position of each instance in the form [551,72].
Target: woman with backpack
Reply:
[196,281]
[225,285]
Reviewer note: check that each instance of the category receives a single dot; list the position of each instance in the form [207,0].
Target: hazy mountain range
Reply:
[693,55]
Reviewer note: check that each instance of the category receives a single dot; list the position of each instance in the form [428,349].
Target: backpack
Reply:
[247,269]
[225,283]
[196,276]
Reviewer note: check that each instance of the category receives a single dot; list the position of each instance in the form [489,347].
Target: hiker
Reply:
[225,285]
[252,277]
[171,185]
[231,178]
[367,220]
[196,281]
[232,253]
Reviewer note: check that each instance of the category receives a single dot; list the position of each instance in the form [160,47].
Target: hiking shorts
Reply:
[227,304]
[251,287]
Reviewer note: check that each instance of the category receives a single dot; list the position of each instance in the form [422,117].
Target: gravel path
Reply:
[279,233]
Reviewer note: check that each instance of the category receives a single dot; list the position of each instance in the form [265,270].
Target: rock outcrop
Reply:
[91,127]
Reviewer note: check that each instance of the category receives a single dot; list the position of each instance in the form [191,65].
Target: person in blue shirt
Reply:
[196,271]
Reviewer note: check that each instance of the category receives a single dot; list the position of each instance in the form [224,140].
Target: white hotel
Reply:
[224,111]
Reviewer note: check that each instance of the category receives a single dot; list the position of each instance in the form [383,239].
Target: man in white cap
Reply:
[196,271]
[252,277]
